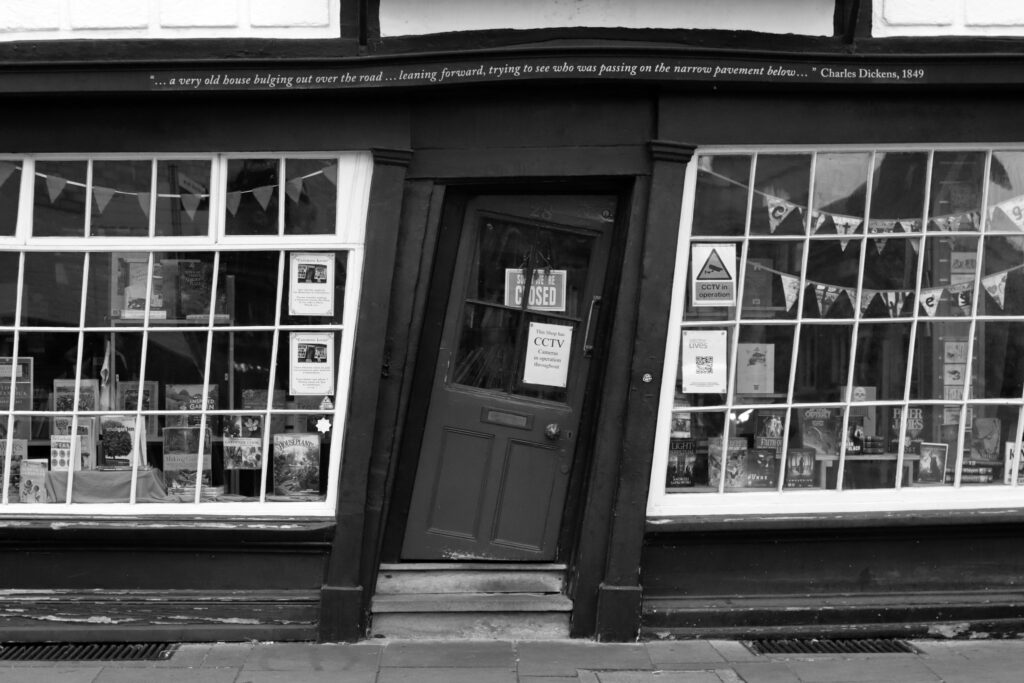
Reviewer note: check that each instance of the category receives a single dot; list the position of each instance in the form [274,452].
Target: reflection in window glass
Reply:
[59,209]
[840,182]
[897,192]
[769,291]
[52,293]
[780,194]
[251,203]
[10,195]
[121,194]
[955,195]
[720,200]
[183,197]
[311,191]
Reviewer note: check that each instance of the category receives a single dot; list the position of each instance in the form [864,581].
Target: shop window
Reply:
[177,333]
[848,335]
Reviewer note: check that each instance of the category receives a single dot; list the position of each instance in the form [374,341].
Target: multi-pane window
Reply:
[176,333]
[849,322]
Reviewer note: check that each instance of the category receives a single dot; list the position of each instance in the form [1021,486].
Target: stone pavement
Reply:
[563,661]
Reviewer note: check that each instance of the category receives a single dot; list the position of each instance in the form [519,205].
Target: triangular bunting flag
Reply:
[190,202]
[845,225]
[54,186]
[6,169]
[944,223]
[263,195]
[817,221]
[867,296]
[103,196]
[910,224]
[826,297]
[1013,209]
[885,225]
[995,285]
[963,296]
[778,209]
[143,198]
[293,188]
[331,173]
[930,300]
[880,245]
[915,245]
[231,202]
[894,300]
[970,221]
[791,288]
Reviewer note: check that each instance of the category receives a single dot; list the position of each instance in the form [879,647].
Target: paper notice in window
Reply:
[704,367]
[311,290]
[547,354]
[312,363]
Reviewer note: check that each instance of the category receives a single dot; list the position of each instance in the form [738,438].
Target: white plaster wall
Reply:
[418,17]
[947,18]
[76,19]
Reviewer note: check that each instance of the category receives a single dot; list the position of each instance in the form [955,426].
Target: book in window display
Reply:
[682,463]
[769,429]
[821,431]
[181,459]
[735,462]
[931,467]
[22,394]
[127,399]
[760,468]
[800,465]
[19,452]
[297,465]
[119,443]
[912,436]
[65,452]
[129,286]
[32,488]
[986,439]
[61,425]
[755,371]
[188,398]
[256,399]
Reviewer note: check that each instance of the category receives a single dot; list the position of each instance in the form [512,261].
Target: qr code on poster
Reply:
[705,365]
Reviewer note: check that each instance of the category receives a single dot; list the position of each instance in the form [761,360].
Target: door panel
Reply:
[503,414]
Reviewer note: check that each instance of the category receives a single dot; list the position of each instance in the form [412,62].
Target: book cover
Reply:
[869,413]
[1008,454]
[682,462]
[65,452]
[243,453]
[800,468]
[127,399]
[61,425]
[33,481]
[986,439]
[760,468]
[119,443]
[181,458]
[189,398]
[755,370]
[296,463]
[19,452]
[23,378]
[735,461]
[855,435]
[914,431]
[931,468]
[769,429]
[194,288]
[64,395]
[820,428]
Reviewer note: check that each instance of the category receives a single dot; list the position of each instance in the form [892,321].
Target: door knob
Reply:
[552,431]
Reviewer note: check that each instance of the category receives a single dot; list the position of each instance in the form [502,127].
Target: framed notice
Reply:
[713,274]
[311,279]
[704,361]
[311,365]
[547,354]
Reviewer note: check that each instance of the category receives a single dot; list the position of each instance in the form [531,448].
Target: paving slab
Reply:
[313,657]
[446,654]
[303,677]
[734,651]
[565,657]
[650,677]
[421,675]
[165,676]
[764,672]
[549,679]
[953,670]
[63,674]
[903,670]
[667,653]
[228,654]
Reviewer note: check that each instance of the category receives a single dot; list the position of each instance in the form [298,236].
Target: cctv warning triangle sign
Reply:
[714,268]
[713,274]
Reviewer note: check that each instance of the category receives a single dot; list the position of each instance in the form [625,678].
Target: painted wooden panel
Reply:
[456,491]
[531,471]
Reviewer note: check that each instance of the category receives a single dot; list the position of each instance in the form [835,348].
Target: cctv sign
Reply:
[713,274]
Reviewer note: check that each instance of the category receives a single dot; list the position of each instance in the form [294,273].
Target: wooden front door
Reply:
[510,379]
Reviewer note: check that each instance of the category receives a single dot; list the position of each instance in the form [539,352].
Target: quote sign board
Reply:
[713,275]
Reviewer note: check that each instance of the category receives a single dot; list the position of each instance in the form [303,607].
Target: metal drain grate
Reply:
[86,652]
[870,646]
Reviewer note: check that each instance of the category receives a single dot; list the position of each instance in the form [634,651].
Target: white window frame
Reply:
[782,502]
[353,188]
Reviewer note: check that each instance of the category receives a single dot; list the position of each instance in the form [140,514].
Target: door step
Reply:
[471,601]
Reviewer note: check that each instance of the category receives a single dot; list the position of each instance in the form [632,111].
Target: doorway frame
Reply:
[449,231]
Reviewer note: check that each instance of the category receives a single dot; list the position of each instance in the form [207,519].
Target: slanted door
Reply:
[503,419]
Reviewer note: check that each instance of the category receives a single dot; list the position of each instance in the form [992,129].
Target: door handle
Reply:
[588,346]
